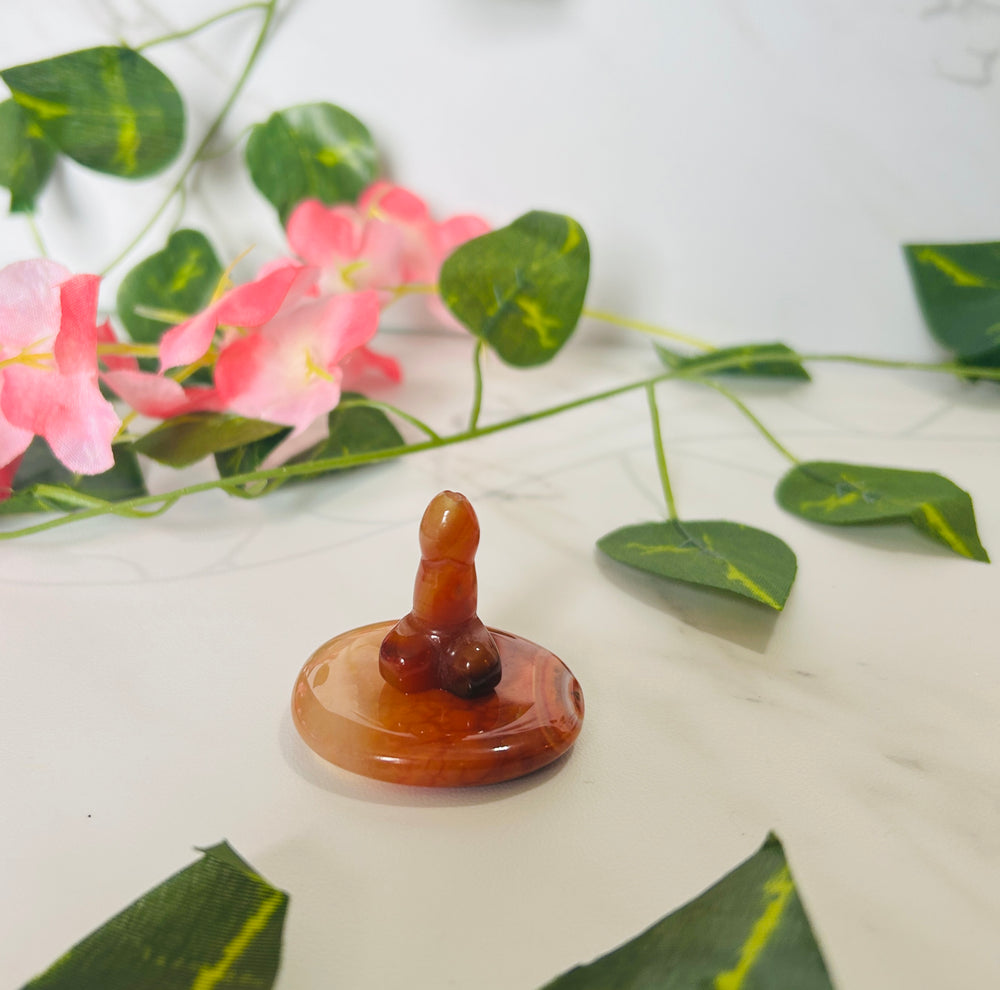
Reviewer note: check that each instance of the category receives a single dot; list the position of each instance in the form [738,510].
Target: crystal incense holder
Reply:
[437,699]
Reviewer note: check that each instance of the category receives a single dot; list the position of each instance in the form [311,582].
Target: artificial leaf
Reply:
[26,157]
[186,439]
[521,288]
[748,932]
[354,430]
[107,108]
[350,430]
[755,360]
[314,151]
[43,484]
[958,287]
[716,554]
[181,278]
[216,924]
[247,457]
[852,494]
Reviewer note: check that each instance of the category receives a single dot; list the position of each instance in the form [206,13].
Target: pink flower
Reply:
[147,393]
[389,239]
[289,370]
[48,367]
[249,305]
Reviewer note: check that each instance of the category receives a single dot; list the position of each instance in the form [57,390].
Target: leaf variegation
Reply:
[775,360]
[26,157]
[747,932]
[108,108]
[716,554]
[841,494]
[521,288]
[958,287]
[216,925]
[186,439]
[181,277]
[43,484]
[313,151]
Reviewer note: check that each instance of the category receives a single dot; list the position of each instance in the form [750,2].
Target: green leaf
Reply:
[716,554]
[851,494]
[314,151]
[42,484]
[351,430]
[216,924]
[958,287]
[186,439]
[26,157]
[107,108]
[748,932]
[756,360]
[521,288]
[181,277]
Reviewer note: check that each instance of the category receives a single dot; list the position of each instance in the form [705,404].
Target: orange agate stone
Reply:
[437,699]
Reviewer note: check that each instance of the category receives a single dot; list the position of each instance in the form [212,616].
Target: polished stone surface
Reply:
[347,713]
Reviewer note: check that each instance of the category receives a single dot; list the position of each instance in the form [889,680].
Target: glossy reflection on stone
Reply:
[437,699]
[348,714]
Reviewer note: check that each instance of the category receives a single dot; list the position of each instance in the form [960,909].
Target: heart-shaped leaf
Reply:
[958,287]
[748,932]
[43,484]
[216,924]
[314,151]
[851,494]
[521,288]
[107,108]
[754,360]
[26,157]
[726,555]
[181,279]
[186,439]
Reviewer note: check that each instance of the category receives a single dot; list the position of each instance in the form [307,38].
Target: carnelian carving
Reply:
[437,699]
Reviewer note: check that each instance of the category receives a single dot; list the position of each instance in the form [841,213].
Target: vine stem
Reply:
[36,235]
[177,188]
[945,367]
[477,395]
[661,456]
[743,408]
[159,503]
[201,25]
[365,402]
[648,328]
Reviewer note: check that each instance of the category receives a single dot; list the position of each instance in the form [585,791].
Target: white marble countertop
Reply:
[745,171]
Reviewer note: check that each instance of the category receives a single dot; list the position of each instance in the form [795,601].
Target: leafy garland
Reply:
[238,372]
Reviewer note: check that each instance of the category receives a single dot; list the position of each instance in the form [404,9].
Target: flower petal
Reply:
[359,364]
[14,440]
[248,305]
[455,231]
[324,235]
[287,372]
[68,410]
[384,199]
[7,474]
[157,396]
[76,346]
[29,302]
